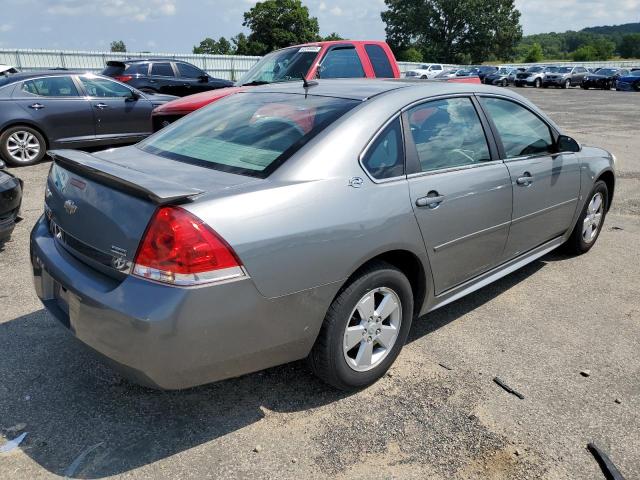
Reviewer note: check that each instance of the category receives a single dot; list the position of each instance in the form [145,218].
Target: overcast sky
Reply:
[176,25]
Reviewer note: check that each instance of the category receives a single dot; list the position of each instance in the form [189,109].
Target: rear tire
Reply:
[590,221]
[567,84]
[22,145]
[538,83]
[359,339]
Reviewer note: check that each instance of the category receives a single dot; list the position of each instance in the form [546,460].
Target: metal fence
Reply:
[230,67]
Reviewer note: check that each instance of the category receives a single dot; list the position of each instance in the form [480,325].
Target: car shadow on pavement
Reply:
[70,401]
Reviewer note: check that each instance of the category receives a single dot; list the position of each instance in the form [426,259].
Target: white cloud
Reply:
[337,11]
[6,27]
[139,11]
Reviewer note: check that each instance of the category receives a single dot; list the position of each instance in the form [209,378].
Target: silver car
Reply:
[306,221]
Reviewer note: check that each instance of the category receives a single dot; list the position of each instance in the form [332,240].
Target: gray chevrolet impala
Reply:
[310,220]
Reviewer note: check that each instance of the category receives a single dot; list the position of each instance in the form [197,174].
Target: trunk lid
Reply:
[99,205]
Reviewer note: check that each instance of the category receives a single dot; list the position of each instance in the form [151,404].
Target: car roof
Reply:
[364,89]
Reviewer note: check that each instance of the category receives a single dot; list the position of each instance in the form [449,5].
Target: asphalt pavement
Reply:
[564,332]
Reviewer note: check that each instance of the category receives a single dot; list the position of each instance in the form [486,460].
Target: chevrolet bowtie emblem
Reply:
[70,207]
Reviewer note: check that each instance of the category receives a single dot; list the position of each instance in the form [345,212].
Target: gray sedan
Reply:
[58,109]
[306,221]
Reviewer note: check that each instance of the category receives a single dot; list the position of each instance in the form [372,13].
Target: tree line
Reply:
[446,31]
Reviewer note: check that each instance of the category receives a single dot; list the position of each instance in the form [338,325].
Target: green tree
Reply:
[630,46]
[448,31]
[242,46]
[586,53]
[118,46]
[604,48]
[279,23]
[332,37]
[534,54]
[410,54]
[212,47]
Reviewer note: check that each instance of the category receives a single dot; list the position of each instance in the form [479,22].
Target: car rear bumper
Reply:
[168,337]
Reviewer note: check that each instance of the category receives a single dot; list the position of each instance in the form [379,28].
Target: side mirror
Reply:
[134,96]
[567,144]
[204,78]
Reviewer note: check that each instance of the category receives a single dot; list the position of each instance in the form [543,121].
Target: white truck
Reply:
[425,71]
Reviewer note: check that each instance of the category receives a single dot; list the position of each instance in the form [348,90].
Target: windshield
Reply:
[535,69]
[504,71]
[247,133]
[564,70]
[635,73]
[607,71]
[281,66]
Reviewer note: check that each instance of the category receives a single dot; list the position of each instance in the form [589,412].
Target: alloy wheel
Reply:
[593,219]
[23,146]
[372,329]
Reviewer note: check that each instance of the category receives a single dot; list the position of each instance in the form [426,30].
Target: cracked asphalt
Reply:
[536,329]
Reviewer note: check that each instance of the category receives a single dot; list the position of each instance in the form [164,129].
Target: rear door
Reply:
[461,194]
[162,78]
[55,104]
[118,114]
[546,185]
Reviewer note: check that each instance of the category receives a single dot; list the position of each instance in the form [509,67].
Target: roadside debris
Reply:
[608,468]
[618,401]
[616,228]
[12,444]
[445,366]
[73,468]
[585,373]
[508,388]
[257,448]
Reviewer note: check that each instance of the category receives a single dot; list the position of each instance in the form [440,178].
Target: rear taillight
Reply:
[180,249]
[123,78]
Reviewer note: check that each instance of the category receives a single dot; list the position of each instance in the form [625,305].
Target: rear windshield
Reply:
[247,133]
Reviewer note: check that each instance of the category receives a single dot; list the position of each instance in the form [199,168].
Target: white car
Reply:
[7,70]
[425,71]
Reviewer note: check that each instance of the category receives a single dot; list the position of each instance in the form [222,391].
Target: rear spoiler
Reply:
[116,63]
[158,190]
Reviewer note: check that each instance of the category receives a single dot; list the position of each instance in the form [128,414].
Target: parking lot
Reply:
[437,414]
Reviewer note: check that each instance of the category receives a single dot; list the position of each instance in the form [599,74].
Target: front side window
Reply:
[448,133]
[189,71]
[161,69]
[522,132]
[385,157]
[51,87]
[247,133]
[341,62]
[103,88]
[379,61]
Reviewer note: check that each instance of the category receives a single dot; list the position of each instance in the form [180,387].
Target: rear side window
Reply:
[51,87]
[342,62]
[137,68]
[189,71]
[448,133]
[247,133]
[521,131]
[385,157]
[379,61]
[162,69]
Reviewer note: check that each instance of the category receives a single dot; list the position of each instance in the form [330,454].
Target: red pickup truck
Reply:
[336,59]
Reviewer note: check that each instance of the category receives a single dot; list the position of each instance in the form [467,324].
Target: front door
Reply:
[117,113]
[460,194]
[546,185]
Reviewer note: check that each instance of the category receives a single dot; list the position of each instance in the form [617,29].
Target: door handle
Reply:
[432,200]
[101,106]
[36,106]
[525,180]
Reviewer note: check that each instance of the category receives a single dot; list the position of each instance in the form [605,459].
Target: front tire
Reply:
[22,145]
[589,225]
[365,328]
[538,83]
[567,84]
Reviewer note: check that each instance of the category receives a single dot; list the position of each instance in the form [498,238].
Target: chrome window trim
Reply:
[454,169]
[395,116]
